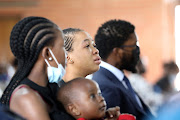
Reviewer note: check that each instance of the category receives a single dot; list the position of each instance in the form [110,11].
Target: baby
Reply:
[82,99]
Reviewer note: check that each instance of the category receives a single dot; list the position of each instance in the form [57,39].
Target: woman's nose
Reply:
[95,51]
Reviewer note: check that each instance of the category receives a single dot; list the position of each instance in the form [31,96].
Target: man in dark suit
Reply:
[117,44]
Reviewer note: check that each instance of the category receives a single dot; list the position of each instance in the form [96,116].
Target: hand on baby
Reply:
[114,114]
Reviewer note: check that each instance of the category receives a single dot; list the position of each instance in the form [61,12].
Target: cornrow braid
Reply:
[69,35]
[27,39]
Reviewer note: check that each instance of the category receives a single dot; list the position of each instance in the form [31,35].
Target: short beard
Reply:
[128,63]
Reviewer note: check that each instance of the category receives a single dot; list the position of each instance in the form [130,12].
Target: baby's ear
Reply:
[73,110]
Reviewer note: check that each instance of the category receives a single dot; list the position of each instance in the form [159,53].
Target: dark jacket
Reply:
[116,94]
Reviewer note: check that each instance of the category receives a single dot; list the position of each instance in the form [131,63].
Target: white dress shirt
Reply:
[118,73]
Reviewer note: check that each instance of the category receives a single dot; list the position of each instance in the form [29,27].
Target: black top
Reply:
[61,83]
[48,94]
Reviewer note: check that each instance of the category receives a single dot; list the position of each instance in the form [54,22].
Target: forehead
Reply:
[82,37]
[88,85]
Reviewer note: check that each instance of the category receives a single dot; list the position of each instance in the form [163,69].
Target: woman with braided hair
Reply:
[82,55]
[38,45]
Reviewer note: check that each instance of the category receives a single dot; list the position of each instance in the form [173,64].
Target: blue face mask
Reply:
[54,74]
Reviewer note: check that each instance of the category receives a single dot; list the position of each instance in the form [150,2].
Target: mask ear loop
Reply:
[47,62]
[53,56]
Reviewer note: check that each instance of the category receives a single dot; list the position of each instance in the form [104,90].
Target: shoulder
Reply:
[24,92]
[102,74]
[101,71]
[99,76]
[23,95]
[28,103]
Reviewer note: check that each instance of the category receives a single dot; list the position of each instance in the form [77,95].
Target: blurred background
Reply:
[156,23]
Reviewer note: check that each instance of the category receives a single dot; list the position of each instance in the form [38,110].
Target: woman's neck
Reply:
[71,74]
[38,74]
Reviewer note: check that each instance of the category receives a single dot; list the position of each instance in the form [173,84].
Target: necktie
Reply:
[132,91]
[129,86]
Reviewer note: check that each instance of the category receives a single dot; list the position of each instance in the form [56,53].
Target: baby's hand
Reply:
[113,113]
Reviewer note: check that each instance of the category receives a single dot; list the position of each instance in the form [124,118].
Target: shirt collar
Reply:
[118,73]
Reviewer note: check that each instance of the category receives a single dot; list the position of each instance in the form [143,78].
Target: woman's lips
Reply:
[97,60]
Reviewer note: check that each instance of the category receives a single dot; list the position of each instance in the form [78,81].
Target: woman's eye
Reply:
[95,46]
[87,45]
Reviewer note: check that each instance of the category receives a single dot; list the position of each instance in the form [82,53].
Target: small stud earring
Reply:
[50,58]
[71,61]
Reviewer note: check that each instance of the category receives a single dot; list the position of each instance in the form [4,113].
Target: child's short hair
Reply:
[67,92]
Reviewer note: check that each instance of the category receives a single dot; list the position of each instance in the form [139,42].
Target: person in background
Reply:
[170,109]
[83,100]
[12,67]
[116,41]
[165,85]
[82,55]
[4,77]
[171,97]
[38,45]
[142,87]
[3,73]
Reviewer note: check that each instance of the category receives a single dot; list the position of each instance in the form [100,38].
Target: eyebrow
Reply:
[86,40]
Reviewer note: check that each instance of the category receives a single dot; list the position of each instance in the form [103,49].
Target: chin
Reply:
[102,115]
[96,69]
[93,69]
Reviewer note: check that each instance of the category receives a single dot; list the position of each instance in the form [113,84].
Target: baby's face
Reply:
[91,104]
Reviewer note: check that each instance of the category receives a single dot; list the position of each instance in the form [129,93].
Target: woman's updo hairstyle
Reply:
[69,35]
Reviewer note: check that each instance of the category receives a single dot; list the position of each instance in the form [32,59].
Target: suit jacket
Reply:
[116,94]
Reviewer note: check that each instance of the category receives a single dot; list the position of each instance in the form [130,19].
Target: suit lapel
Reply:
[119,84]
